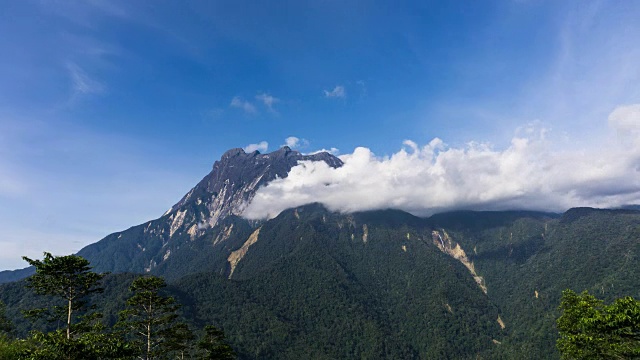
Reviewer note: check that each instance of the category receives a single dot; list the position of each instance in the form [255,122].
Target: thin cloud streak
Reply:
[82,83]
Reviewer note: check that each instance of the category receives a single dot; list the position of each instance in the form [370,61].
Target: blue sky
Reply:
[111,110]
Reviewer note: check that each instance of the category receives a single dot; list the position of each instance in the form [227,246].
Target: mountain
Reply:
[312,283]
[223,193]
[316,284]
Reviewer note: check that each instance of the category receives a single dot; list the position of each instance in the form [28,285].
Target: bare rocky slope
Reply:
[222,193]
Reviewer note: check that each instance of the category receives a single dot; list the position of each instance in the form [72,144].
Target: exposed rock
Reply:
[235,257]
[444,243]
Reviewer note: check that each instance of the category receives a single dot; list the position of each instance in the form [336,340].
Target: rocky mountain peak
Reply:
[233,182]
[221,194]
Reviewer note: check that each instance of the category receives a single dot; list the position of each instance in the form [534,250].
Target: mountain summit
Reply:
[234,180]
[224,192]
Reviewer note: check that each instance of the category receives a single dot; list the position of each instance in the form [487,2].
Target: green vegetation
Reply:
[84,334]
[66,277]
[322,285]
[589,329]
[151,319]
[5,323]
[213,345]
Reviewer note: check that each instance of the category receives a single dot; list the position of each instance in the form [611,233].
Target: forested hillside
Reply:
[385,284]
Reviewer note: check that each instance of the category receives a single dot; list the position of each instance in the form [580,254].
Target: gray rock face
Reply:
[235,178]
[224,192]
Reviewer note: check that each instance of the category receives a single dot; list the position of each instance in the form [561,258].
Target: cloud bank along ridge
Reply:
[528,174]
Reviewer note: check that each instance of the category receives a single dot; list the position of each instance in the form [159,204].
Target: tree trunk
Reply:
[69,321]
[149,333]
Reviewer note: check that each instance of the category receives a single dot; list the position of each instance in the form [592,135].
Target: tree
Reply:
[589,329]
[67,277]
[180,341]
[70,279]
[214,346]
[150,317]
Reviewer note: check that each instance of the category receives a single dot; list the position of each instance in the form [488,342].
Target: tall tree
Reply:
[149,316]
[67,277]
[70,279]
[589,329]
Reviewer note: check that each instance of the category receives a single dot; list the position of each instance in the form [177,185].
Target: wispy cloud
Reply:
[246,106]
[528,174]
[337,92]
[82,83]
[595,48]
[262,146]
[268,100]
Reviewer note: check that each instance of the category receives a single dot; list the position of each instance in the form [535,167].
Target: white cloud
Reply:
[295,142]
[337,92]
[332,151]
[268,100]
[527,174]
[238,102]
[625,119]
[262,146]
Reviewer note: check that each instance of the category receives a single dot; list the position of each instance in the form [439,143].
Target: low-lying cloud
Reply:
[425,179]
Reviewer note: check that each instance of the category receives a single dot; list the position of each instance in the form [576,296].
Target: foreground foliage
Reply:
[589,329]
[149,327]
[67,277]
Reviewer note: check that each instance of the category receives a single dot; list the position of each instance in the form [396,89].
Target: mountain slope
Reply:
[329,291]
[311,283]
[385,284]
[527,259]
[200,214]
[223,193]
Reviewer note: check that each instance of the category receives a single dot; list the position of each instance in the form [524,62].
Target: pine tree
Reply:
[67,277]
[150,317]
[70,279]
